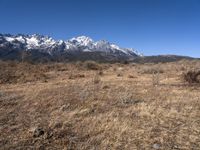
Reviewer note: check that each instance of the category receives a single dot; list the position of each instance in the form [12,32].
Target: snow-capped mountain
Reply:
[47,46]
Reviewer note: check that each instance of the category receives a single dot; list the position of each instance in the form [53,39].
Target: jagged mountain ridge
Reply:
[39,46]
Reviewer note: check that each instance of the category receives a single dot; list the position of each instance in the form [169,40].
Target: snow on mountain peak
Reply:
[9,39]
[48,44]
[83,40]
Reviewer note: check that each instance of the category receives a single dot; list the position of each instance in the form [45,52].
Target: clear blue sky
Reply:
[150,26]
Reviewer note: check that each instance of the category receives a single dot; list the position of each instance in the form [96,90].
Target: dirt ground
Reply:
[99,106]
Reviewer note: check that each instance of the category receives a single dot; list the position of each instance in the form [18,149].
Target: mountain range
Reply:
[44,48]
[39,48]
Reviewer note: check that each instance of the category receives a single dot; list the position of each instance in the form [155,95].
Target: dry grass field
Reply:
[94,106]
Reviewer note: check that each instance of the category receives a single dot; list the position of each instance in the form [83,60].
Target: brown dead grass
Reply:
[99,111]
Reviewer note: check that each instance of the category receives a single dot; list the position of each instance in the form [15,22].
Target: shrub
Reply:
[72,75]
[152,71]
[155,79]
[91,65]
[100,73]
[130,76]
[96,79]
[126,62]
[119,75]
[192,77]
[14,72]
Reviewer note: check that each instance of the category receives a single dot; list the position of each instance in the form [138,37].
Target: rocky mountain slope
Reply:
[44,48]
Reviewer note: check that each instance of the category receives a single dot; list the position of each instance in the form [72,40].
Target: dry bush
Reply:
[74,72]
[74,76]
[53,67]
[114,69]
[126,98]
[96,79]
[151,70]
[79,65]
[92,65]
[100,73]
[155,79]
[130,76]
[21,73]
[119,75]
[125,62]
[192,77]
[105,87]
[7,77]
